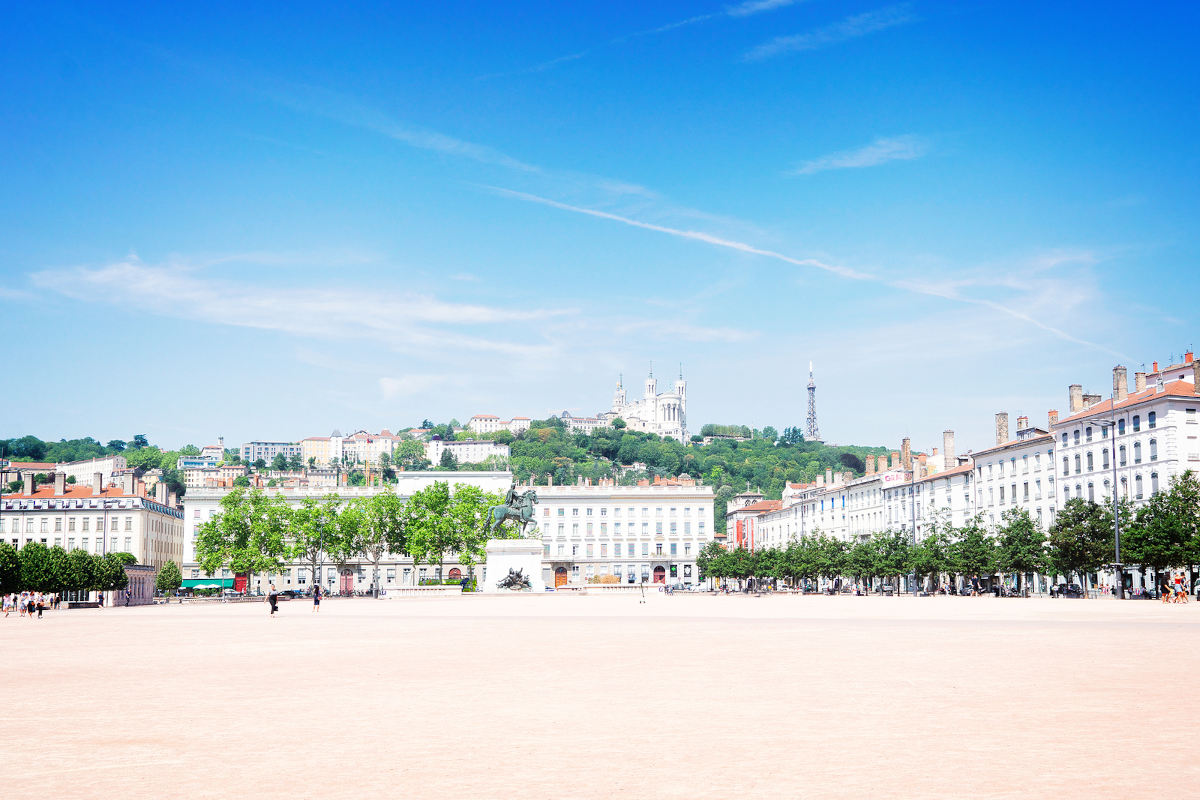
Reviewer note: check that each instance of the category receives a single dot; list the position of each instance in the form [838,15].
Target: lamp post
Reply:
[1118,567]
[912,501]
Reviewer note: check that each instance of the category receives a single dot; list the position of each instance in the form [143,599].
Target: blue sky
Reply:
[269,222]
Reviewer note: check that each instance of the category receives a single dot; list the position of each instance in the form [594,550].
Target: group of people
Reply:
[1175,589]
[29,604]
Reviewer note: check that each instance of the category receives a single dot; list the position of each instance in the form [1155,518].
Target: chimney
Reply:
[172,499]
[1196,377]
[27,483]
[1139,381]
[1154,367]
[922,459]
[828,475]
[221,444]
[906,452]
[1075,391]
[1052,418]
[895,460]
[60,483]
[97,482]
[1090,400]
[869,463]
[1022,423]
[1120,383]
[948,459]
[935,452]
[1002,427]
[127,483]
[158,491]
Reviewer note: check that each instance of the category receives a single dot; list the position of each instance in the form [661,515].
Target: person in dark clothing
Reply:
[317,597]
[273,600]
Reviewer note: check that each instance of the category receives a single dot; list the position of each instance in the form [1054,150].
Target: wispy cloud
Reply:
[880,151]
[849,28]
[944,290]
[542,67]
[683,331]
[405,321]
[748,8]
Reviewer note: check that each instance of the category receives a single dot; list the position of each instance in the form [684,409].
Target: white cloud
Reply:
[849,28]
[684,331]
[880,151]
[407,321]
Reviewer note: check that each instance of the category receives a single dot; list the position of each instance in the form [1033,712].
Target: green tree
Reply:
[382,529]
[110,572]
[409,454]
[1165,532]
[241,482]
[35,567]
[468,510]
[116,445]
[707,561]
[59,570]
[315,533]
[248,535]
[1022,545]
[974,551]
[81,571]
[931,557]
[1081,539]
[139,441]
[448,461]
[169,578]
[260,464]
[10,569]
[429,526]
[279,463]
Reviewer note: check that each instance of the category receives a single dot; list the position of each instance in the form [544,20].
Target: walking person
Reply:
[273,600]
[41,604]
[100,598]
[316,598]
[7,605]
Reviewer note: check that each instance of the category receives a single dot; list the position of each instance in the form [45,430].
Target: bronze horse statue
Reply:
[517,507]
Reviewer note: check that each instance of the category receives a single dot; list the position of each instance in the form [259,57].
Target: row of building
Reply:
[1135,442]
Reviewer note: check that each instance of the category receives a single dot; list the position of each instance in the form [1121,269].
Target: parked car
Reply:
[1066,590]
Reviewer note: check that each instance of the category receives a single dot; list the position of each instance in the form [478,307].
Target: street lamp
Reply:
[1118,567]
[912,501]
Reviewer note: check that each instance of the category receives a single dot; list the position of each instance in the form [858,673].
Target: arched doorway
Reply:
[455,574]
[660,575]
[347,584]
[560,577]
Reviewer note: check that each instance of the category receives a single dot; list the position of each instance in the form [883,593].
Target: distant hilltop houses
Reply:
[663,414]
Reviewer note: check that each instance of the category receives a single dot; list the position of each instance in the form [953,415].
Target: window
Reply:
[1121,427]
[70,524]
[1077,469]
[1002,494]
[1090,465]
[195,574]
[589,512]
[1121,456]
[1064,437]
[658,549]
[1104,456]
[1137,486]
[1088,433]
[128,544]
[1137,423]
[1091,491]
[1191,416]
[391,575]
[603,550]
[1153,483]
[1152,420]
[562,512]
[646,548]
[58,524]
[574,512]
[1076,436]
[1137,452]
[1066,465]
[1104,432]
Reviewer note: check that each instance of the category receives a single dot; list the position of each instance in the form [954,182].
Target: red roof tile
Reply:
[1172,389]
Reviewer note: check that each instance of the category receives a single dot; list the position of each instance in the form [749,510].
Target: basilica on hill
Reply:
[664,414]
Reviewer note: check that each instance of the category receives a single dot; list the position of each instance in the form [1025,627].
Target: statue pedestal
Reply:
[505,554]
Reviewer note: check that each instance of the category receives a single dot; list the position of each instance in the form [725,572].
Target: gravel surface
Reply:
[598,696]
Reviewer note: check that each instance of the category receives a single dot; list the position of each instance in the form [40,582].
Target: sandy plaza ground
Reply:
[603,696]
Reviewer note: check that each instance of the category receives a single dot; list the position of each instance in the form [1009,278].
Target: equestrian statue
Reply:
[518,507]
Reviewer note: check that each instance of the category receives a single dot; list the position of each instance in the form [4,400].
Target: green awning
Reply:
[218,583]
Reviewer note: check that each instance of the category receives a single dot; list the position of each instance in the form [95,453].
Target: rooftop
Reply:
[1172,389]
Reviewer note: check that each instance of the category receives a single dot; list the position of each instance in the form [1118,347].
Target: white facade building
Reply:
[468,451]
[355,575]
[648,533]
[253,451]
[489,423]
[96,517]
[664,414]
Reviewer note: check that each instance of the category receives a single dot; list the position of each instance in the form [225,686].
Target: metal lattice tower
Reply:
[814,433]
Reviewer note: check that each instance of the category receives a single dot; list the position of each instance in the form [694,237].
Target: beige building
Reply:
[97,518]
[469,451]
